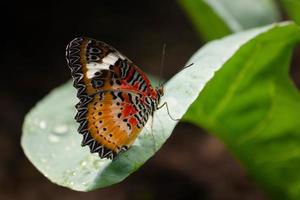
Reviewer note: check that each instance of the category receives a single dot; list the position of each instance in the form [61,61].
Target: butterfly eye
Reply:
[160,90]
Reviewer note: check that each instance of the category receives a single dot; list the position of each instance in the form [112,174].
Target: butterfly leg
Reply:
[152,121]
[166,104]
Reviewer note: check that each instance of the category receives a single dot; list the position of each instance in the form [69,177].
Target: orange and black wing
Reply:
[114,96]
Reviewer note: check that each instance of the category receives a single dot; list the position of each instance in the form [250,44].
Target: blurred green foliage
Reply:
[216,18]
[292,8]
[208,24]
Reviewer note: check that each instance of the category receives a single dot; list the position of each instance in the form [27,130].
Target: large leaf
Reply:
[216,18]
[253,106]
[52,144]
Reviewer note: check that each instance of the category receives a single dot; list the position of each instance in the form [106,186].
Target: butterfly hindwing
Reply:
[114,123]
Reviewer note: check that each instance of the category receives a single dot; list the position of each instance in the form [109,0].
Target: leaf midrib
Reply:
[235,84]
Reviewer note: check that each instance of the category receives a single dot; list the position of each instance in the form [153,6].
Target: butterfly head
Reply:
[160,90]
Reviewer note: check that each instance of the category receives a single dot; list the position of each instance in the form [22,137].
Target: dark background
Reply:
[191,165]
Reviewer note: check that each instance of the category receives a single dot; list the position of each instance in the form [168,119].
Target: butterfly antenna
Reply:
[162,62]
[189,65]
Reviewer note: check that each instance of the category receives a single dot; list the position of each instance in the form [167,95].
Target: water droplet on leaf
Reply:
[83,163]
[60,129]
[43,124]
[53,138]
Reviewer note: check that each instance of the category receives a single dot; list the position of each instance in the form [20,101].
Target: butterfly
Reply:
[115,96]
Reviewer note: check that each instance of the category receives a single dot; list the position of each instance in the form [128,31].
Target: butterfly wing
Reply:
[115,96]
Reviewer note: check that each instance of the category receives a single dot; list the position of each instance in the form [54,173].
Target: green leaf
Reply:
[52,144]
[252,105]
[217,18]
[208,24]
[292,7]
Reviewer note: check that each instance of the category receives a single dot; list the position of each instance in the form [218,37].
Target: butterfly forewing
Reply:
[116,97]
